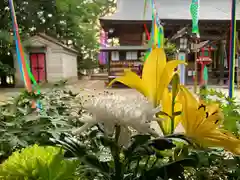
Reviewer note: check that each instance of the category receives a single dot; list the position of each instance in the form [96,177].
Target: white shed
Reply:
[49,60]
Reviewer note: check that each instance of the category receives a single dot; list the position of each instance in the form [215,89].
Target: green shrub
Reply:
[230,108]
[40,163]
[21,125]
[145,158]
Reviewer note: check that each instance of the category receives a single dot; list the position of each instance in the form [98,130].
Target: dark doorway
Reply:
[6,71]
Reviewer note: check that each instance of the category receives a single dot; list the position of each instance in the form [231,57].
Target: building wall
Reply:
[69,66]
[130,34]
[131,39]
[54,66]
[60,64]
[18,77]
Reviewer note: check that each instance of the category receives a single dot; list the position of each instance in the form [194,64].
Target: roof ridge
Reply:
[56,41]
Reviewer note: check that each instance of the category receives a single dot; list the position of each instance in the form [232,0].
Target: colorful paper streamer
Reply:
[232,50]
[103,43]
[157,32]
[25,70]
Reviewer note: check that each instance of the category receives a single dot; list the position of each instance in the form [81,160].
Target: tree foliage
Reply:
[73,22]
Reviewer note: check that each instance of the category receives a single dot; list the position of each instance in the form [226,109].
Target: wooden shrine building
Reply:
[127,26]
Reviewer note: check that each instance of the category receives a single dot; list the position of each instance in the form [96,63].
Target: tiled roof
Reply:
[173,9]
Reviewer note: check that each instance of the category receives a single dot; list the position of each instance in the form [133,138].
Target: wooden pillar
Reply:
[182,56]
[238,60]
[109,65]
[221,61]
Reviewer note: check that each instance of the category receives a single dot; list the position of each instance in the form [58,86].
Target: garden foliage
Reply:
[21,126]
[87,134]
[40,163]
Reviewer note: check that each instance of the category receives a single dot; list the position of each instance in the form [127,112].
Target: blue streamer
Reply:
[232,50]
[16,43]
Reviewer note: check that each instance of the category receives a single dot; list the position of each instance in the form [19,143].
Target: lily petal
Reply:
[223,139]
[190,107]
[131,80]
[202,124]
[152,71]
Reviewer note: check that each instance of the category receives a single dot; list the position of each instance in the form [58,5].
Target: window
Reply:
[115,56]
[132,55]
[122,55]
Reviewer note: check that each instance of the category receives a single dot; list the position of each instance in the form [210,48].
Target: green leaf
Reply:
[181,152]
[93,162]
[162,144]
[73,146]
[107,142]
[37,162]
[137,141]
[230,124]
[174,170]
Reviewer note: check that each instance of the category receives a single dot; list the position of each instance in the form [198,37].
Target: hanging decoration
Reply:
[146,31]
[194,10]
[159,30]
[25,70]
[232,50]
[103,43]
[157,33]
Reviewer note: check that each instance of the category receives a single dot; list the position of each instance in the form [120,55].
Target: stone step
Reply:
[99,77]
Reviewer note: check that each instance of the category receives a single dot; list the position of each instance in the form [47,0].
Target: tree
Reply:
[73,22]
[81,20]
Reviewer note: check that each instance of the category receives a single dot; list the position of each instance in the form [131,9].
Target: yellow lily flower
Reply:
[202,124]
[156,76]
[166,104]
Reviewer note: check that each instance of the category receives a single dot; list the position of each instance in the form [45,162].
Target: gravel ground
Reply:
[94,86]
[97,86]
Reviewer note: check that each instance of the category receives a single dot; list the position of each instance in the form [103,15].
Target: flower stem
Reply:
[155,162]
[136,168]
[173,116]
[146,163]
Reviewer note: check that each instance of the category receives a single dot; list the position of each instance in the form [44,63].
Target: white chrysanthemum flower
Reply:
[128,112]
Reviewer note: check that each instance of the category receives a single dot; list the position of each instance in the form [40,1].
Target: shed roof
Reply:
[132,10]
[55,41]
